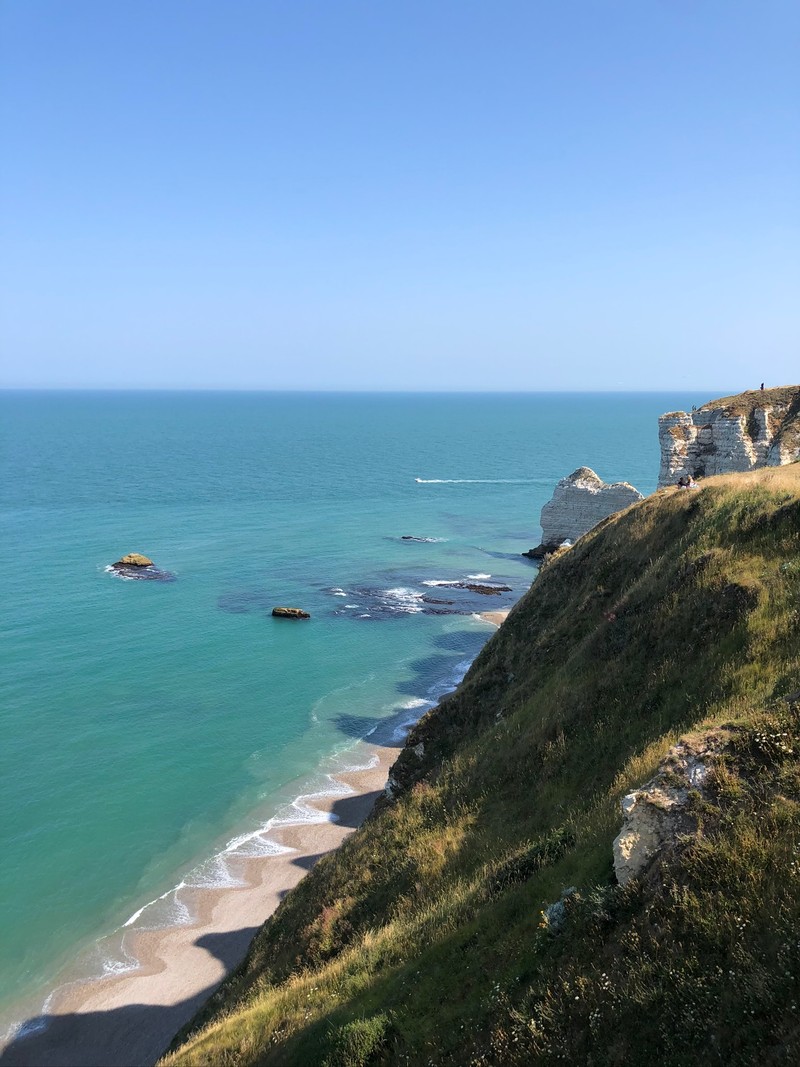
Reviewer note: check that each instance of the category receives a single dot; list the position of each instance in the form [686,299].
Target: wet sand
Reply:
[496,618]
[131,1019]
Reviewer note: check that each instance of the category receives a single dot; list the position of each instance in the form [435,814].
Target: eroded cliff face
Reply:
[739,433]
[578,503]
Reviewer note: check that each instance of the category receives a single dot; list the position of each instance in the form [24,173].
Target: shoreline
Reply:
[130,1019]
[496,618]
[129,1016]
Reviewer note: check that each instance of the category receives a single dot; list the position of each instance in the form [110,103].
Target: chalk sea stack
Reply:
[578,503]
[290,613]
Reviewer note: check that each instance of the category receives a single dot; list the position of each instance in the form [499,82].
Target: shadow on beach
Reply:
[129,1036]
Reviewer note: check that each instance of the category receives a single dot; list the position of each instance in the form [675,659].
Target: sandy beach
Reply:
[130,1019]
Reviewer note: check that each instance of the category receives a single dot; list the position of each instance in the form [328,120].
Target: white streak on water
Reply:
[476,481]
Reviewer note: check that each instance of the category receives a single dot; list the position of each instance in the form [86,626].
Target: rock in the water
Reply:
[133,559]
[485,590]
[290,613]
[760,428]
[578,503]
[139,567]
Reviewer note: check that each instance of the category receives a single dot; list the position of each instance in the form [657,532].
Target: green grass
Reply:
[422,940]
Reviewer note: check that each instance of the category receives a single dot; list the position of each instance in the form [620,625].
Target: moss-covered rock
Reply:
[133,559]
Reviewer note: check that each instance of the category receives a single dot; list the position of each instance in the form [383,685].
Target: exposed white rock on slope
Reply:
[735,434]
[655,816]
[579,502]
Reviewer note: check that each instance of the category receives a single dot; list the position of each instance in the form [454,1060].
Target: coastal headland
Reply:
[130,1018]
[588,853]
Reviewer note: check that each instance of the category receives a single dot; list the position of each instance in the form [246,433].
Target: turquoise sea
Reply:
[146,724]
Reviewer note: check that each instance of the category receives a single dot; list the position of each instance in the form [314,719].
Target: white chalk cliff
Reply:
[737,433]
[579,502]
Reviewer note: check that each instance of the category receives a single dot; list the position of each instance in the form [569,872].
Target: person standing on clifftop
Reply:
[762,387]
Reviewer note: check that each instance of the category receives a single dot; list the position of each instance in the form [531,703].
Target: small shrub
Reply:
[358,1043]
[542,853]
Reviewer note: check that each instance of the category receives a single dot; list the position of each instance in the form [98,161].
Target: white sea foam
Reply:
[255,846]
[137,914]
[106,962]
[442,581]
[28,1026]
[214,873]
[355,768]
[119,574]
[300,812]
[448,684]
[415,705]
[401,730]
[405,599]
[113,966]
[176,912]
[479,577]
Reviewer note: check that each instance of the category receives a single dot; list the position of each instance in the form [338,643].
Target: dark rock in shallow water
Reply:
[486,590]
[403,594]
[140,568]
[290,613]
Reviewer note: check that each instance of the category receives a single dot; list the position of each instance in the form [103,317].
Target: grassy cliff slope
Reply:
[424,939]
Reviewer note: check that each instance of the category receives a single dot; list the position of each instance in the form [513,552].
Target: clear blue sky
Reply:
[337,194]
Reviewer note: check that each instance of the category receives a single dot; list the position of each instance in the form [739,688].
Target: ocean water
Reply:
[146,725]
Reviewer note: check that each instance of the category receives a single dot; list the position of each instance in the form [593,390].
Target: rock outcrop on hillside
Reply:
[657,814]
[578,503]
[760,428]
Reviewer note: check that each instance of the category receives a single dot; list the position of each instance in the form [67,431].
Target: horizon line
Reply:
[355,392]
